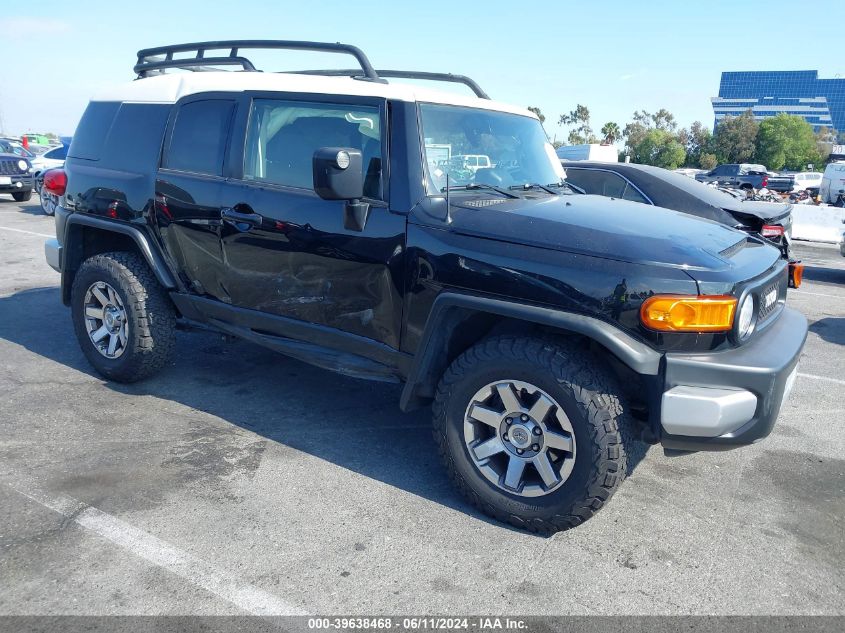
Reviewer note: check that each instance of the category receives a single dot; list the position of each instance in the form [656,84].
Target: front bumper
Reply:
[722,400]
[15,184]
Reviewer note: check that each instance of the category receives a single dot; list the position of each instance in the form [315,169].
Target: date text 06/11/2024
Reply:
[418,623]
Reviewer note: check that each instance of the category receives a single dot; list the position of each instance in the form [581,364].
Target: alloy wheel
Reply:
[519,438]
[105,320]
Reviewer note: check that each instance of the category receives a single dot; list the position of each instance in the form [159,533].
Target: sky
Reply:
[614,57]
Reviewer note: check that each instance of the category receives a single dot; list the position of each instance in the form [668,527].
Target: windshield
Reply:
[484,147]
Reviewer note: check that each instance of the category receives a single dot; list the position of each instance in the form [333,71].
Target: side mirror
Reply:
[339,175]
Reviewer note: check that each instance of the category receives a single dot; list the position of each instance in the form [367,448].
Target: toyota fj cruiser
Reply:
[315,213]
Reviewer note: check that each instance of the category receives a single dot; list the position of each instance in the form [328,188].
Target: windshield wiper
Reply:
[534,185]
[568,185]
[478,185]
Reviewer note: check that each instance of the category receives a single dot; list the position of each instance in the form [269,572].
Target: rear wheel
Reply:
[529,431]
[48,202]
[22,196]
[122,317]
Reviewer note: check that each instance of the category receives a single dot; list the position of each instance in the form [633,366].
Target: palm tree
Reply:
[611,132]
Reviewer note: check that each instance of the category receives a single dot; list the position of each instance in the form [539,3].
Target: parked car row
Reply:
[20,185]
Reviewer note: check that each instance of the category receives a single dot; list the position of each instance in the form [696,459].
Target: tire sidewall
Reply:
[587,453]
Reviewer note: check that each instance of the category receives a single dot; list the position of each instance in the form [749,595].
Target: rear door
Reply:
[188,190]
[286,250]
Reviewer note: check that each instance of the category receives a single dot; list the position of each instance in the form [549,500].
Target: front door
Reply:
[285,249]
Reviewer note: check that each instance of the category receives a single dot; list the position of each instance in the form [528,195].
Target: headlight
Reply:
[23,165]
[746,317]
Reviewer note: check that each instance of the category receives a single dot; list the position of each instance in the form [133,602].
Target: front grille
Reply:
[768,299]
[9,167]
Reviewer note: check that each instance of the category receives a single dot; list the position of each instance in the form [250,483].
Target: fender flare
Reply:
[151,254]
[638,356]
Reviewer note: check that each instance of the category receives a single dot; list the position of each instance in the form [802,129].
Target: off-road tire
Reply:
[590,396]
[150,315]
[22,196]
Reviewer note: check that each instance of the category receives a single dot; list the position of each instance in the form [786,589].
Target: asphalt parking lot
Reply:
[239,481]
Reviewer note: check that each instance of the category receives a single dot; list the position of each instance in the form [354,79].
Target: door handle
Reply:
[229,214]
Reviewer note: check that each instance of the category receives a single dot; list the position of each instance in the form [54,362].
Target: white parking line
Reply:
[9,228]
[151,548]
[827,378]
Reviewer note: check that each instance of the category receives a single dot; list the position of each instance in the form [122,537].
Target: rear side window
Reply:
[198,141]
[93,129]
[633,195]
[602,183]
[134,143]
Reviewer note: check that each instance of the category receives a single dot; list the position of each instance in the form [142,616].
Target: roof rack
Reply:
[150,59]
[403,74]
[157,60]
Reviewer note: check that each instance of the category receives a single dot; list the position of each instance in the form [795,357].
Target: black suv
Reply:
[316,214]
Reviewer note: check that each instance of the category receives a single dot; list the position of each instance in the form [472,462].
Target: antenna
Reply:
[448,205]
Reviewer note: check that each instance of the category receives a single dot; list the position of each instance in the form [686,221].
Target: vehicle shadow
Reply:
[830,329]
[353,423]
[30,207]
[824,274]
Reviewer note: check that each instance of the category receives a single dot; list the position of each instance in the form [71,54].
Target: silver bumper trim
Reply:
[53,253]
[705,411]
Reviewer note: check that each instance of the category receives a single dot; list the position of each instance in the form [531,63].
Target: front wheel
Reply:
[22,196]
[529,430]
[122,317]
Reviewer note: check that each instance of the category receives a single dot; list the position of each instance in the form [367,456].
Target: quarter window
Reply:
[283,136]
[198,141]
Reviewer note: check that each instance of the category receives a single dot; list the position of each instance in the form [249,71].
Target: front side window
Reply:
[198,141]
[283,136]
[506,149]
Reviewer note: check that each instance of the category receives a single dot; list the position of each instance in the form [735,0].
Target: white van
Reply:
[591,151]
[833,181]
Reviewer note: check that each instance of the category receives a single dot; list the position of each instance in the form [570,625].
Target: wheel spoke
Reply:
[100,334]
[513,476]
[103,299]
[558,441]
[491,447]
[541,408]
[112,300]
[121,335]
[485,415]
[544,467]
[94,313]
[509,399]
[112,344]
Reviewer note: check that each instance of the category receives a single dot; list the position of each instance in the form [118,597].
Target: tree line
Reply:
[784,141]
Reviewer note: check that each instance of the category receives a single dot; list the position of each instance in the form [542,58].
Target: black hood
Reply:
[602,227]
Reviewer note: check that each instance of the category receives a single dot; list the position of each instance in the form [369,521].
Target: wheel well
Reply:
[461,328]
[83,242]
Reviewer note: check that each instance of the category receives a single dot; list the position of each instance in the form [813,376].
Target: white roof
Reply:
[169,88]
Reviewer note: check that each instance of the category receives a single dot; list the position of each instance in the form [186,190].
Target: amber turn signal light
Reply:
[689,314]
[796,274]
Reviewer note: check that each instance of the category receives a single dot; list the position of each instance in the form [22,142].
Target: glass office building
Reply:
[820,101]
